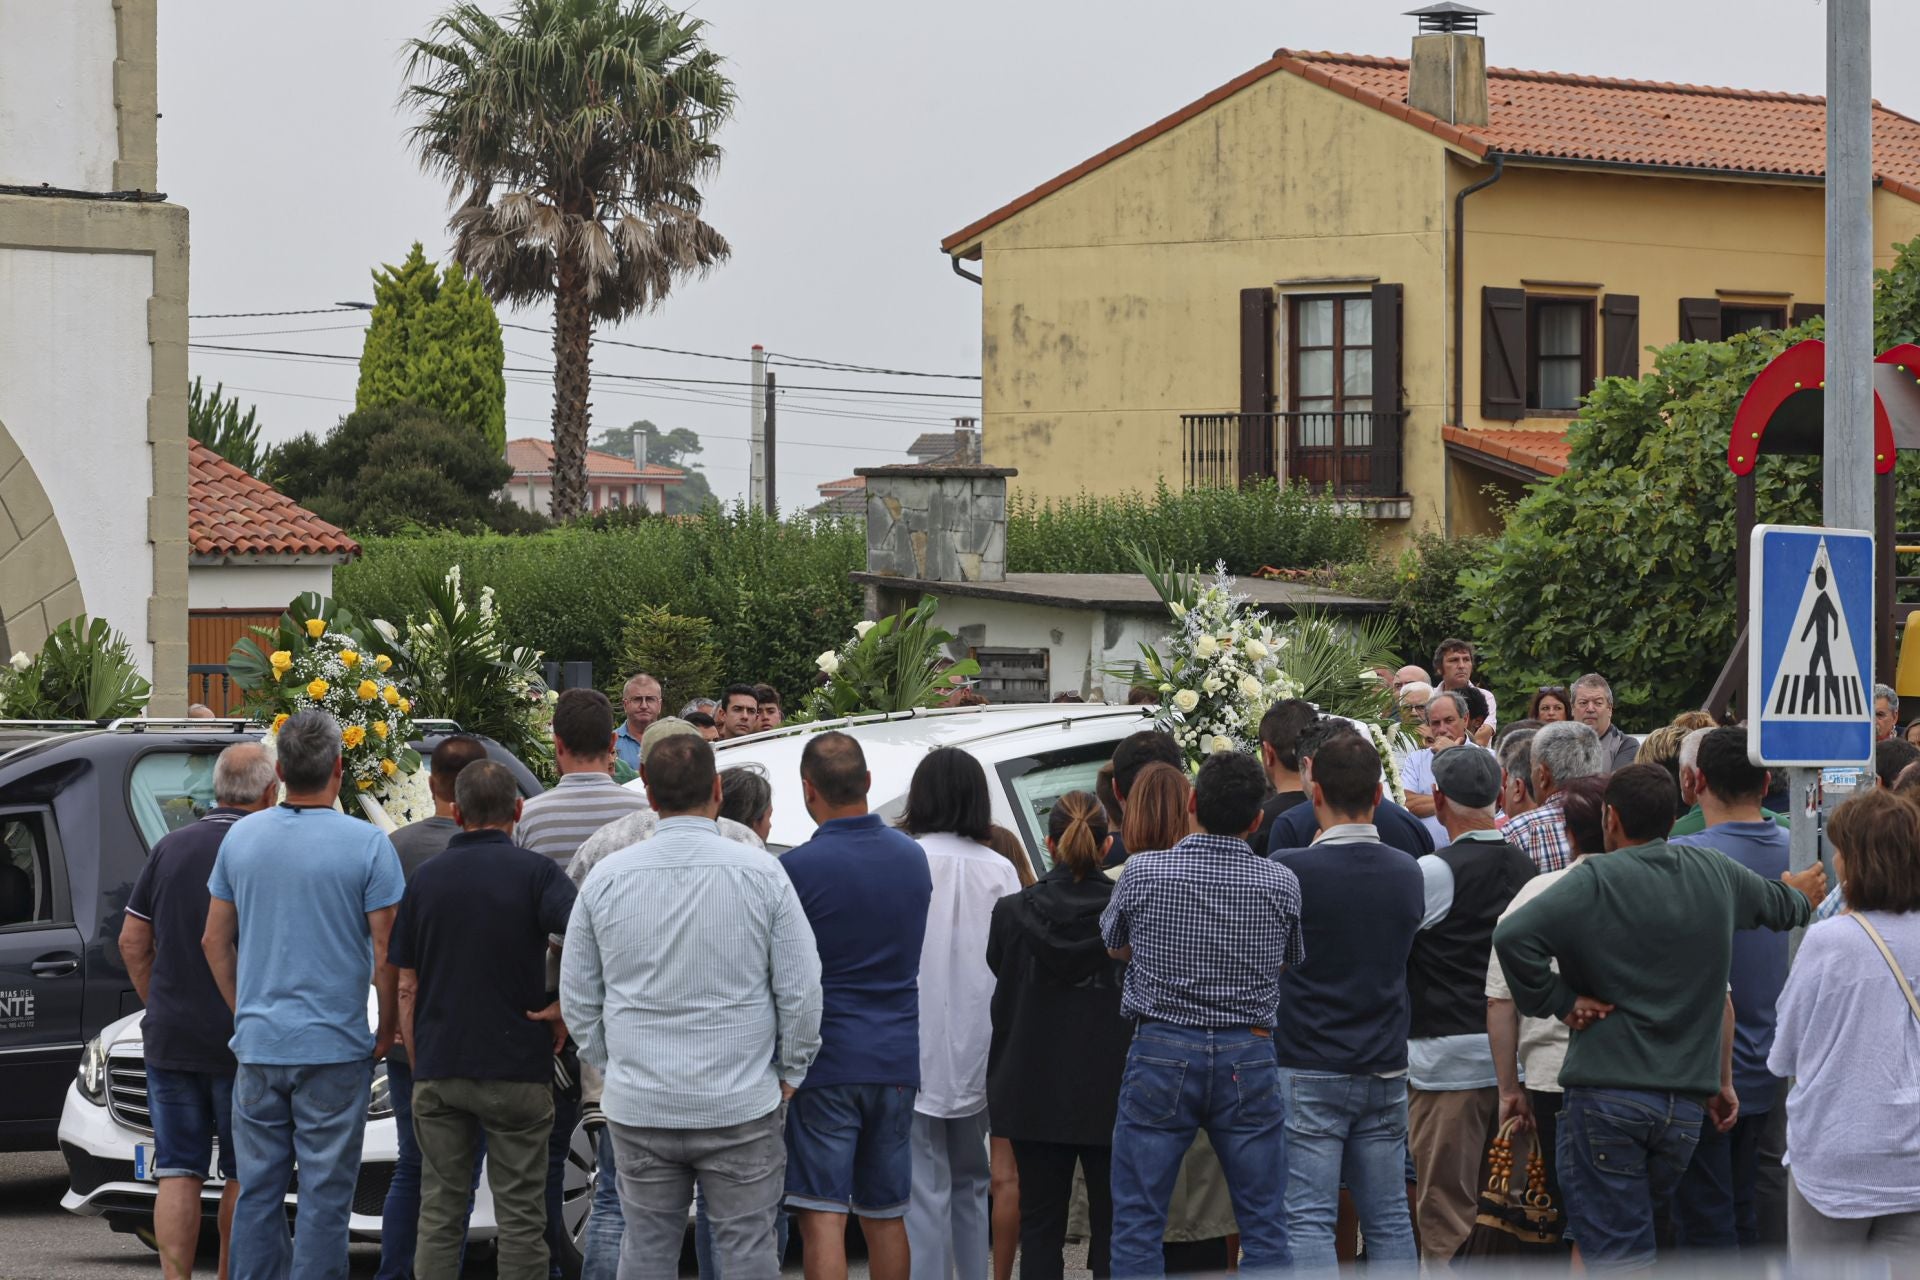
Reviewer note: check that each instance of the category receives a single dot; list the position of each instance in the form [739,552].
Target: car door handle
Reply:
[55,966]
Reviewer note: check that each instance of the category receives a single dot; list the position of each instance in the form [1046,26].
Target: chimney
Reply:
[1448,75]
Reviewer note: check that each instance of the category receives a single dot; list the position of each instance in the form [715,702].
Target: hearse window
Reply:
[1034,782]
[26,871]
[170,789]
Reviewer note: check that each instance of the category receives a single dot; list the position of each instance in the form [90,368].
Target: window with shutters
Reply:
[1331,341]
[1560,364]
[1741,317]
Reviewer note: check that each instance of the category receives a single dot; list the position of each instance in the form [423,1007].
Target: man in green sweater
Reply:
[1644,938]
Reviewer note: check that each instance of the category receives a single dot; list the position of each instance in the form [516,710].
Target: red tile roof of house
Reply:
[530,456]
[1544,453]
[1551,115]
[230,513]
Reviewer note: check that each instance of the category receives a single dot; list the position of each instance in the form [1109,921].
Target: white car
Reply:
[1033,753]
[106,1136]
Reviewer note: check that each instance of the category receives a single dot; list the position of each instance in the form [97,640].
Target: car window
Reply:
[26,870]
[1035,782]
[170,789]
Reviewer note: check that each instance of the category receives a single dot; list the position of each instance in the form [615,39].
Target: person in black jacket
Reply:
[1059,1042]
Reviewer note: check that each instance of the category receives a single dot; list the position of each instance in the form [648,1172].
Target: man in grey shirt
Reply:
[688,966]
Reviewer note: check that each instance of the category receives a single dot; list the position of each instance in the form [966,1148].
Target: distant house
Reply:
[846,497]
[612,481]
[251,550]
[961,445]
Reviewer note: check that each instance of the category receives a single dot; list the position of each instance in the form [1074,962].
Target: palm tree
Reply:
[574,134]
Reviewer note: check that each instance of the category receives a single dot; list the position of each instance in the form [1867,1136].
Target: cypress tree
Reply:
[435,342]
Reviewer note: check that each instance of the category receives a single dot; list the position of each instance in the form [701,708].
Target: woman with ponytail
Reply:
[1059,1042]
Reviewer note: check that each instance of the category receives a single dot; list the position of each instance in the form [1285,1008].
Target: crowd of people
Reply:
[1251,1015]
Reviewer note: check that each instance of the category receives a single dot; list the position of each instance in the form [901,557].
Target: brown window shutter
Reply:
[1805,311]
[1389,396]
[1503,353]
[1256,350]
[1699,319]
[1620,336]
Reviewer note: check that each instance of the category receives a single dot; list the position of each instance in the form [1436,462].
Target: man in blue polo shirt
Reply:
[303,900]
[1294,829]
[865,888]
[189,1066]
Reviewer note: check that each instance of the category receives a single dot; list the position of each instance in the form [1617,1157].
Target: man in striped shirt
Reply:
[691,977]
[558,821]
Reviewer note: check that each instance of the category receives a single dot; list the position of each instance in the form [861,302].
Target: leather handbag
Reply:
[1513,1224]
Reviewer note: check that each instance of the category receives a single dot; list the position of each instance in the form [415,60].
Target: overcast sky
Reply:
[866,131]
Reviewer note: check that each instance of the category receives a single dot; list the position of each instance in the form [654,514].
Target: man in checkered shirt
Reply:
[1207,926]
[1562,751]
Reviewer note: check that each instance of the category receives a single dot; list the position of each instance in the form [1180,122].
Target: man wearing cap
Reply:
[1453,1094]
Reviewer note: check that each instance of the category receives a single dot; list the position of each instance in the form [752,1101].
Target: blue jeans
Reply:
[400,1217]
[703,1250]
[315,1115]
[1622,1151]
[1178,1081]
[1351,1129]
[606,1227]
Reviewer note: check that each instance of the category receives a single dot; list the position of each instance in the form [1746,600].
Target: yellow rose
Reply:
[380,727]
[367,690]
[406,706]
[281,659]
[392,695]
[389,768]
[384,663]
[278,721]
[317,689]
[348,658]
[316,627]
[365,784]
[353,735]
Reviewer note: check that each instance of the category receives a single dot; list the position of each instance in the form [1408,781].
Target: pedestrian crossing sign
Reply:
[1810,646]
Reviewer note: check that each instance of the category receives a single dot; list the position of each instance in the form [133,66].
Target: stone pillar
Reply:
[937,523]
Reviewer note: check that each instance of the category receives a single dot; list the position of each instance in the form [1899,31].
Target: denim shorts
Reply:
[190,1109]
[849,1148]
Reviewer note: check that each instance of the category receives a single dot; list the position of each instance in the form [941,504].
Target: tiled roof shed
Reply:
[232,515]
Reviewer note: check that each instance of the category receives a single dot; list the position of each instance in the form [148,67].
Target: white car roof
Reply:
[895,744]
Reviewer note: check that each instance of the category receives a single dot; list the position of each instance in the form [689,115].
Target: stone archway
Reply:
[38,587]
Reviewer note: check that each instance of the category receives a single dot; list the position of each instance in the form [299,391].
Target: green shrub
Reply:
[84,671]
[675,650]
[778,591]
[1250,529]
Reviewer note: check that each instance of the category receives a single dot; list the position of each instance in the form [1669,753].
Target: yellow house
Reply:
[1395,276]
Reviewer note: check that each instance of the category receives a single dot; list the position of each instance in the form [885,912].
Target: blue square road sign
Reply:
[1810,646]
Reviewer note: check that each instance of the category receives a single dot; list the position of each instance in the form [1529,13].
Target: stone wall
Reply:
[939,523]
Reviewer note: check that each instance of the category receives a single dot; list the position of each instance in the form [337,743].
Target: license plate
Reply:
[143,1164]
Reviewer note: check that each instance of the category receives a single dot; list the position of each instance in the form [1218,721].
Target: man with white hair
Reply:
[190,1069]
[1562,751]
[1692,784]
[1886,712]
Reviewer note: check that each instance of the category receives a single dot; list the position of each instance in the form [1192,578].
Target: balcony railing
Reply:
[1356,453]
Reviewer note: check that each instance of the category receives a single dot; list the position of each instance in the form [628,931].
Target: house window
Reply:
[1560,346]
[1331,342]
[1737,317]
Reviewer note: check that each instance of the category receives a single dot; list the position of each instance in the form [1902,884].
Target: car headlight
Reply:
[93,1072]
[380,1104]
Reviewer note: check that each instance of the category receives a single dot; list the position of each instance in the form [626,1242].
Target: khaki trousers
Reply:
[448,1119]
[1447,1134]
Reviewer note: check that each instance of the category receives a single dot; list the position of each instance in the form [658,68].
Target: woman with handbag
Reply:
[1849,1037]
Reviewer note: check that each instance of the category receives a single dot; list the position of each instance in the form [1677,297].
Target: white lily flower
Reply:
[828,662]
[20,662]
[861,628]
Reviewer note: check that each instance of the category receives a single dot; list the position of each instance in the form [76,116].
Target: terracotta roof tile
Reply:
[1552,115]
[230,513]
[1542,452]
[530,456]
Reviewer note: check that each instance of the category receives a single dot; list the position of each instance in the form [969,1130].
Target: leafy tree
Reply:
[215,420]
[1625,564]
[575,134]
[435,342]
[398,467]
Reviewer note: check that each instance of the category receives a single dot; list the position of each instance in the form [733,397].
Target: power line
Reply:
[255,315]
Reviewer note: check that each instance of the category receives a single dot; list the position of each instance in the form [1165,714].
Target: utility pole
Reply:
[757,461]
[773,455]
[1847,475]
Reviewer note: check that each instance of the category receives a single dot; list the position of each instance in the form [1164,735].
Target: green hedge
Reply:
[778,592]
[1250,528]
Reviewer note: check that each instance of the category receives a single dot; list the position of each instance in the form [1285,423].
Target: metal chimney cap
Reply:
[1449,15]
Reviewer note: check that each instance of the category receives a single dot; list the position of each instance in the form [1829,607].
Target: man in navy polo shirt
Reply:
[865,888]
[189,1066]
[1294,829]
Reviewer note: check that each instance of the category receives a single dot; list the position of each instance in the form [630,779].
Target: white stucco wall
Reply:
[537,495]
[57,123]
[269,587]
[75,374]
[1081,643]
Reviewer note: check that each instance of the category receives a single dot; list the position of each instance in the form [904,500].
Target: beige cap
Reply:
[662,729]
